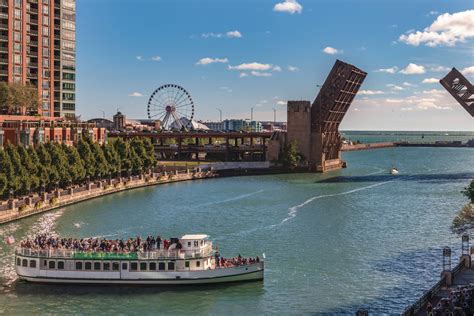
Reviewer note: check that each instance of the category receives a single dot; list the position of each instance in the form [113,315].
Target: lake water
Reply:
[333,242]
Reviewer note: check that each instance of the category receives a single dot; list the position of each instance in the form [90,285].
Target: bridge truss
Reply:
[460,88]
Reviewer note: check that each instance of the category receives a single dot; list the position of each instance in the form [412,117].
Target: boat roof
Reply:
[194,236]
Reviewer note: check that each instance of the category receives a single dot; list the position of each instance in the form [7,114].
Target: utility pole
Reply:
[274,116]
[220,114]
[251,114]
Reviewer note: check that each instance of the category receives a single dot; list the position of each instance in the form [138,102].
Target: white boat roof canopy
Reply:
[194,237]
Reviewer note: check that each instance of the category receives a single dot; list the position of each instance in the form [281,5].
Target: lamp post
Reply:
[274,116]
[251,114]
[220,114]
[11,193]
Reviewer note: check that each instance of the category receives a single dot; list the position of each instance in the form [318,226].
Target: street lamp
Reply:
[251,114]
[274,116]
[220,114]
[88,179]
[11,193]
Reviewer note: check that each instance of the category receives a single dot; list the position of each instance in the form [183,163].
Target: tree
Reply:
[87,158]
[59,164]
[76,168]
[101,164]
[4,97]
[19,182]
[469,191]
[30,178]
[3,184]
[123,150]
[112,157]
[290,157]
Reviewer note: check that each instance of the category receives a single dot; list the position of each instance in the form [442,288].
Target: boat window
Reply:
[106,266]
[161,266]
[18,261]
[96,265]
[186,264]
[78,265]
[189,244]
[196,243]
[52,264]
[152,266]
[171,266]
[115,266]
[61,265]
[32,263]
[198,264]
[124,266]
[202,242]
[133,266]
[25,263]
[142,266]
[88,265]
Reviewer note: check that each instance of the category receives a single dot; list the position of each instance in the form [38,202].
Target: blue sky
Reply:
[238,54]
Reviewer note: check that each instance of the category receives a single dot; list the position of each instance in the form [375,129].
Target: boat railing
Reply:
[148,255]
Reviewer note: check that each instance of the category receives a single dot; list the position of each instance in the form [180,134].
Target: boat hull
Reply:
[254,272]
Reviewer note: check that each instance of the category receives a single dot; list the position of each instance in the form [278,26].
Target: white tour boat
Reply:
[394,171]
[195,263]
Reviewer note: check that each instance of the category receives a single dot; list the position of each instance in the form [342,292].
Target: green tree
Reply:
[59,164]
[30,179]
[469,191]
[77,171]
[136,161]
[4,98]
[20,181]
[113,158]
[123,150]
[101,164]
[87,158]
[290,157]
[3,184]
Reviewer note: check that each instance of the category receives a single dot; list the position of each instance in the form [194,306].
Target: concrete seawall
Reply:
[367,146]
[15,213]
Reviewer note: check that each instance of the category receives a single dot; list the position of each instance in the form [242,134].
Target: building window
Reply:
[17,13]
[60,265]
[69,4]
[45,9]
[78,265]
[46,73]
[186,264]
[52,264]
[69,97]
[17,36]
[17,25]
[17,59]
[46,21]
[161,266]
[198,264]
[32,263]
[68,76]
[46,30]
[46,62]
[45,41]
[45,94]
[17,70]
[69,86]
[18,261]
[25,263]
[18,3]
[46,52]
[69,106]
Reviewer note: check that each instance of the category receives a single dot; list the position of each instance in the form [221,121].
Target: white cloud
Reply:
[260,74]
[135,94]
[440,69]
[413,69]
[332,51]
[434,91]
[242,75]
[208,60]
[233,34]
[251,66]
[433,13]
[276,68]
[468,71]
[293,68]
[153,58]
[230,34]
[139,58]
[281,102]
[390,70]
[447,29]
[356,109]
[394,87]
[406,109]
[432,102]
[370,92]
[430,80]
[407,84]
[156,58]
[288,6]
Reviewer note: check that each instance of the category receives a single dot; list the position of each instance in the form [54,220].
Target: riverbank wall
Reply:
[367,146]
[15,209]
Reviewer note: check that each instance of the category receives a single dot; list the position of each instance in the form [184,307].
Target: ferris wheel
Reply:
[173,106]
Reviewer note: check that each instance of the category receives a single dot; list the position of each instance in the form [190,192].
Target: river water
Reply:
[333,242]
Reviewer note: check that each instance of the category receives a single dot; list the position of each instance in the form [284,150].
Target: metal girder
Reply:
[460,88]
[335,97]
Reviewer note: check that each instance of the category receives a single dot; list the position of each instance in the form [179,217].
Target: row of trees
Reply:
[52,165]
[16,98]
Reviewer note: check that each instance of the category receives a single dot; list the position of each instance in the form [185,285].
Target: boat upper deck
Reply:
[201,252]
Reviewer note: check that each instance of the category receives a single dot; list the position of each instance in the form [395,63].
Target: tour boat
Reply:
[195,263]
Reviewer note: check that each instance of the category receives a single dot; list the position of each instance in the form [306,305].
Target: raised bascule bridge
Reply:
[460,88]
[315,128]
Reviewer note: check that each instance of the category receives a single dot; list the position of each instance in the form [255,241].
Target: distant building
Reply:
[119,121]
[215,126]
[102,122]
[235,125]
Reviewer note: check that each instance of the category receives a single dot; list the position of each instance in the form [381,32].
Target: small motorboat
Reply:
[394,171]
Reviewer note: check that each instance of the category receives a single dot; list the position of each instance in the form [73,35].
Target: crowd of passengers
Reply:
[222,262]
[459,302]
[47,242]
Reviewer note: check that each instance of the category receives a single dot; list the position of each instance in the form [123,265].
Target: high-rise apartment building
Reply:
[38,46]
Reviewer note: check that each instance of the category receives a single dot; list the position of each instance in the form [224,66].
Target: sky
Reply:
[235,55]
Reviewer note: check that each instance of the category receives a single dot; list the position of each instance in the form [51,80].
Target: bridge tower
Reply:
[460,88]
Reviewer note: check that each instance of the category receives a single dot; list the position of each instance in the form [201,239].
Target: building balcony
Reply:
[3,15]
[3,61]
[3,72]
[32,32]
[32,10]
[4,3]
[3,49]
[32,21]
[32,43]
[3,26]
[32,65]
[3,38]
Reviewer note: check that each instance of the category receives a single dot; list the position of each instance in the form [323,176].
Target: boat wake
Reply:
[292,211]
[239,197]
